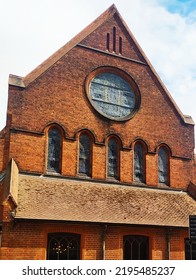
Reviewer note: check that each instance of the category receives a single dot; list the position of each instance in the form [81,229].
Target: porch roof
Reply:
[60,199]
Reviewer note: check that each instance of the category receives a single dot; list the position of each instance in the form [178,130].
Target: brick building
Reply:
[96,159]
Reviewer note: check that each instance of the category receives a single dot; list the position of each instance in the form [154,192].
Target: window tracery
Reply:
[63,246]
[135,247]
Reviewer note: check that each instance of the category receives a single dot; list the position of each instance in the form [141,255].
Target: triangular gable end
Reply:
[115,37]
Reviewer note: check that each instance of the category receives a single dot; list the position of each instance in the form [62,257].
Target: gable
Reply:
[113,37]
[109,35]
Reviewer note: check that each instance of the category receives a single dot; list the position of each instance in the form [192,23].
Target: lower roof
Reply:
[55,199]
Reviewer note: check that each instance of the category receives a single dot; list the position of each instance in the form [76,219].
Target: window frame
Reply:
[136,237]
[117,176]
[144,152]
[123,75]
[58,169]
[59,236]
[84,133]
[167,153]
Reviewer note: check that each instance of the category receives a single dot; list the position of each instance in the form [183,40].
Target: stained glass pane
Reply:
[113,159]
[63,246]
[85,155]
[163,167]
[54,150]
[135,247]
[190,250]
[139,165]
[112,95]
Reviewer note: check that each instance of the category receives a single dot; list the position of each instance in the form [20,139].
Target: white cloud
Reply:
[169,41]
[32,30]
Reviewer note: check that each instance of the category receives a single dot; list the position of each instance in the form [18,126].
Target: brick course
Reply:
[28,240]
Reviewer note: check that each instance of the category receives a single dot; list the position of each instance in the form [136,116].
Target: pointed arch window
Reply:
[163,166]
[54,150]
[135,247]
[63,246]
[85,155]
[113,159]
[139,163]
[190,250]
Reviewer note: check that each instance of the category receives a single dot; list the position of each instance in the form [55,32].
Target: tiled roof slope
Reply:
[46,198]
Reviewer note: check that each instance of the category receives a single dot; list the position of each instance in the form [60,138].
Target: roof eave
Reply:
[20,218]
[16,81]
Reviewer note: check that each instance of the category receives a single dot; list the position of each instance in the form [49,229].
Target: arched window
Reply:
[190,250]
[163,166]
[85,155]
[113,159]
[139,163]
[63,246]
[135,247]
[54,150]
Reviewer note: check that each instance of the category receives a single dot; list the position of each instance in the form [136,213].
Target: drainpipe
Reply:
[168,237]
[103,241]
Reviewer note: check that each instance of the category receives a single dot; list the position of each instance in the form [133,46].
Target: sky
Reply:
[31,31]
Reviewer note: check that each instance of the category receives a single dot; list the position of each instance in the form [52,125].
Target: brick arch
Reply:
[56,125]
[164,145]
[115,136]
[141,141]
[88,132]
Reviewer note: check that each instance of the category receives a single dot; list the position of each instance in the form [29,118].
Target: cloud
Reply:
[169,40]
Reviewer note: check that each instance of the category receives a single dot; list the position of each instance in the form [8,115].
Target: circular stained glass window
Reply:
[112,96]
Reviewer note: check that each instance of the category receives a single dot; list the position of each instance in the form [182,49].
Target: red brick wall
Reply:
[30,153]
[59,96]
[23,240]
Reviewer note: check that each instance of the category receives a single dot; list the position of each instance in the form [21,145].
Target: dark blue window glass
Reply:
[163,166]
[54,150]
[139,163]
[113,159]
[85,155]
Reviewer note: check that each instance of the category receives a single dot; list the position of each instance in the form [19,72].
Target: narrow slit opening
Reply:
[120,45]
[108,42]
[114,39]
